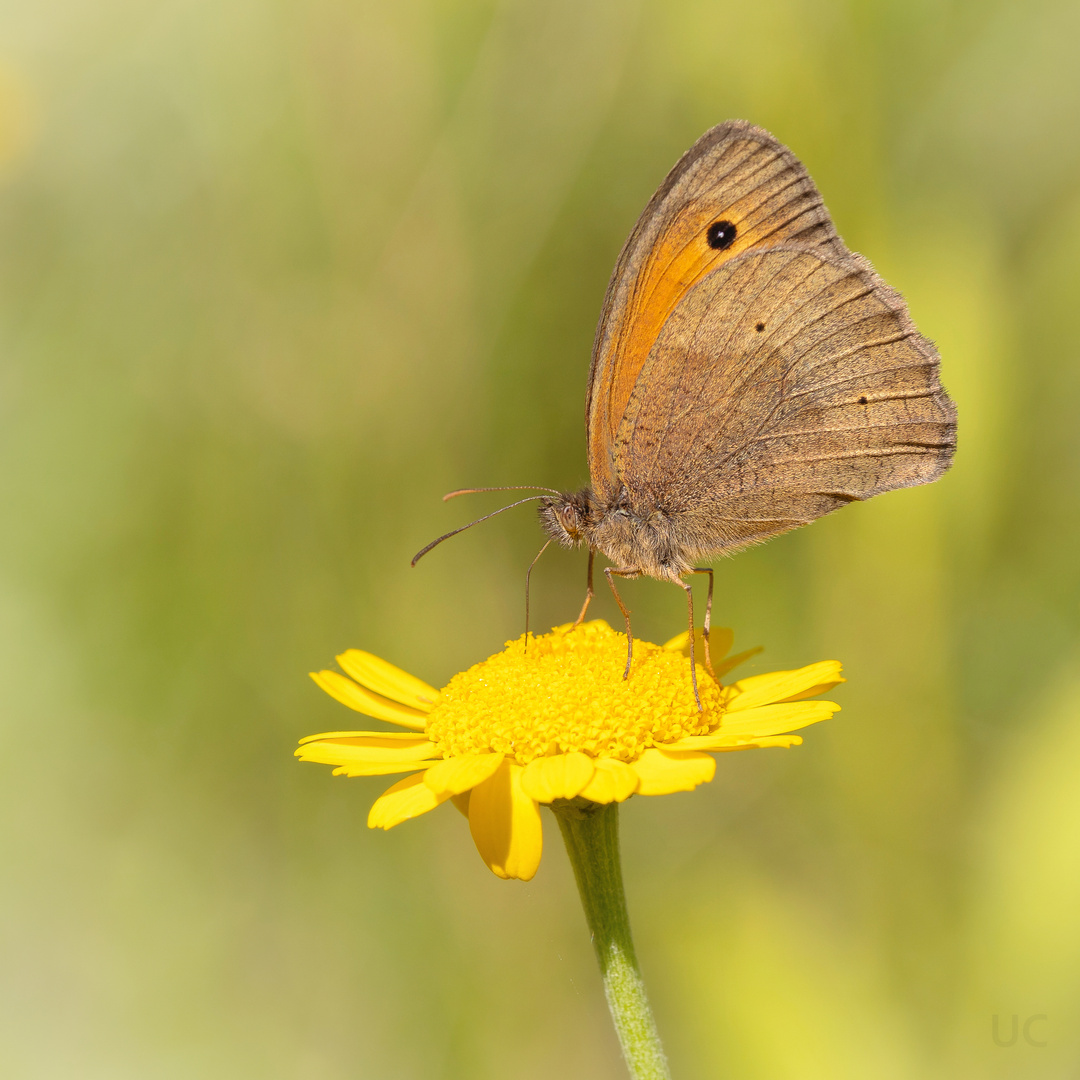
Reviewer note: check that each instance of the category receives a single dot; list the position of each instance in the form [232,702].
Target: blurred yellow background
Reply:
[273,277]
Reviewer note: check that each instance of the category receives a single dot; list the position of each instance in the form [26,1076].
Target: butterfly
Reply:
[749,375]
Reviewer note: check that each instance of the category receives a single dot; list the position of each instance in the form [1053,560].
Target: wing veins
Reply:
[787,221]
[740,388]
[837,431]
[862,375]
[659,281]
[837,306]
[894,451]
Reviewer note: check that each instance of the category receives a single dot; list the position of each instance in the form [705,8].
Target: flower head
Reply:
[556,721]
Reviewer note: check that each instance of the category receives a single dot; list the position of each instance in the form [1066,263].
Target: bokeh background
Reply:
[273,277]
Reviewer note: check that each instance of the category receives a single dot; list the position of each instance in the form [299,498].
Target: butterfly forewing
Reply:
[736,175]
[784,384]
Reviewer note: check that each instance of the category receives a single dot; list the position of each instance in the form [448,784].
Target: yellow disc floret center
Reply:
[566,692]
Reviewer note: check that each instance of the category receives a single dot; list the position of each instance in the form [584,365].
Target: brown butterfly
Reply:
[749,375]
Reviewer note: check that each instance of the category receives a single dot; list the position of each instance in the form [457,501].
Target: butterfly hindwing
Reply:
[786,383]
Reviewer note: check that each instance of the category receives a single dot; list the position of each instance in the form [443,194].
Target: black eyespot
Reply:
[721,235]
[760,326]
[862,401]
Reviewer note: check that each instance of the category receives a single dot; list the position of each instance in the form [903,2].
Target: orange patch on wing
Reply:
[734,173]
[679,260]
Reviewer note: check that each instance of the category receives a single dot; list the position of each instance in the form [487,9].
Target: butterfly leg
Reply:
[611,573]
[588,591]
[708,618]
[528,579]
[690,619]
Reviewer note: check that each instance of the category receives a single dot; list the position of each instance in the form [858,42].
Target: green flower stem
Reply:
[591,833]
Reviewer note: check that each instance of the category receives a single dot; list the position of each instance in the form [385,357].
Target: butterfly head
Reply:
[568,517]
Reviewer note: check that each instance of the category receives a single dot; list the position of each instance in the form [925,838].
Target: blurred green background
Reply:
[273,277]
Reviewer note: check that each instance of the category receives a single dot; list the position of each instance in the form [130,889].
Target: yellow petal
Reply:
[381,676]
[761,722]
[377,768]
[774,719]
[735,742]
[461,802]
[408,798]
[563,776]
[734,661]
[661,772]
[339,752]
[383,738]
[505,824]
[365,701]
[761,742]
[457,774]
[613,781]
[813,691]
[784,685]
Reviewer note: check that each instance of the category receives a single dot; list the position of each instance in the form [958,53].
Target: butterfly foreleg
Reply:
[708,618]
[588,590]
[611,573]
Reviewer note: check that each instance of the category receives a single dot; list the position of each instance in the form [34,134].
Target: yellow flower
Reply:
[556,721]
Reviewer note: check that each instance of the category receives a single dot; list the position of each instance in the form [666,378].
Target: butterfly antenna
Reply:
[528,577]
[512,487]
[453,532]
